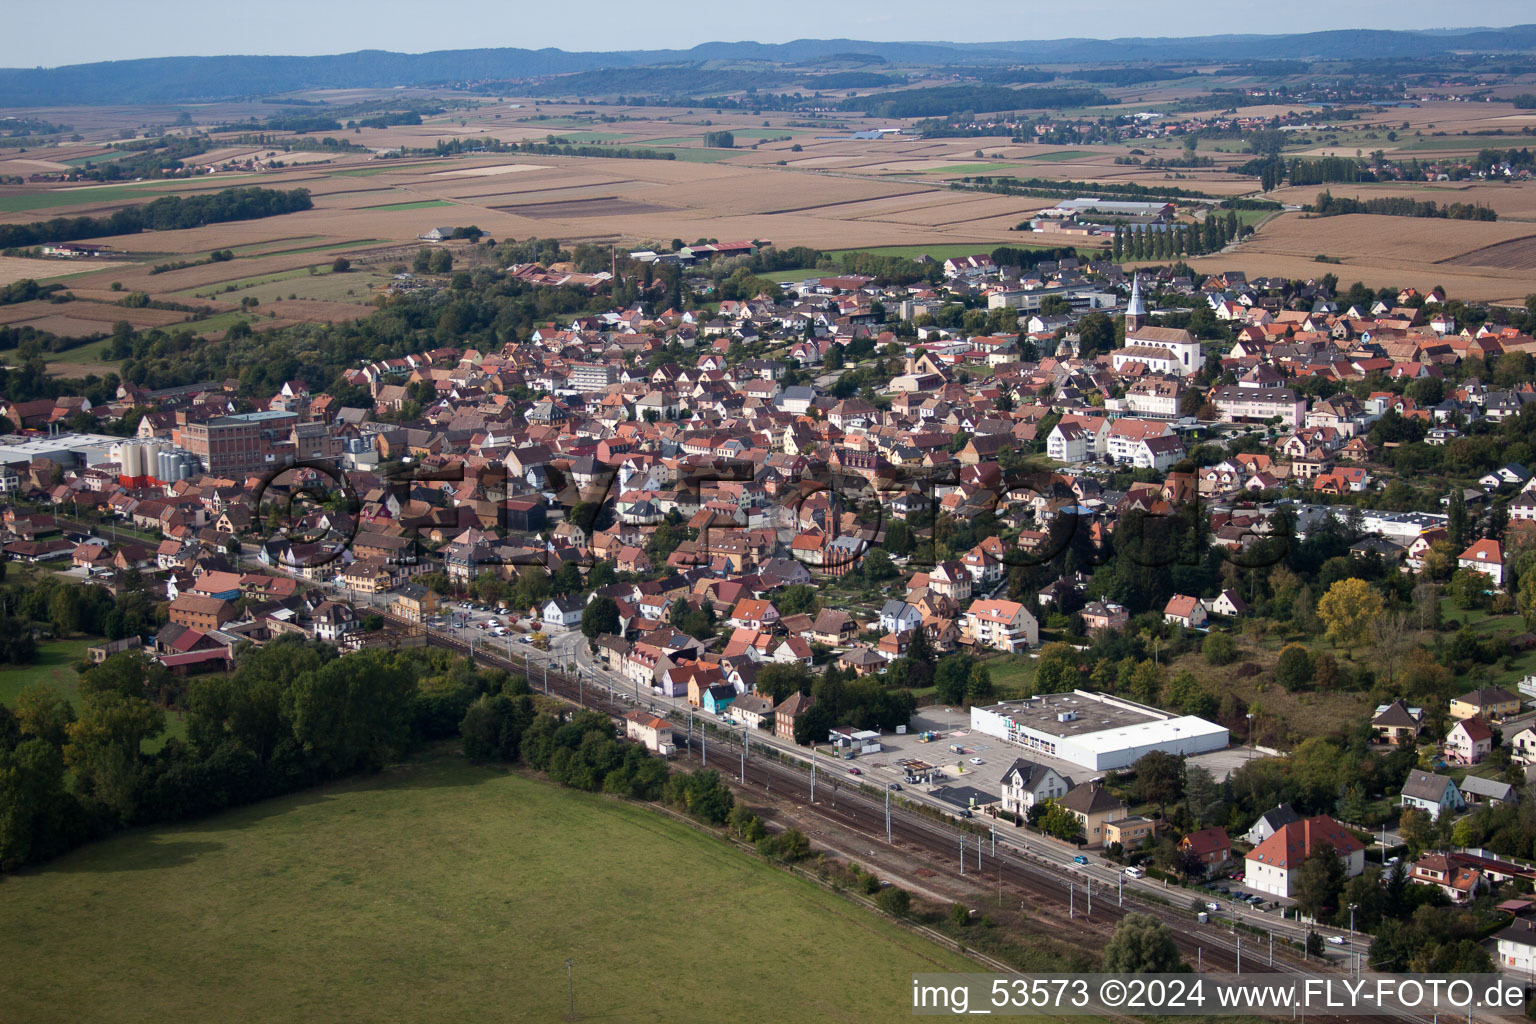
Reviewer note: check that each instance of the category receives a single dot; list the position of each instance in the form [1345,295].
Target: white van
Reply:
[1134,873]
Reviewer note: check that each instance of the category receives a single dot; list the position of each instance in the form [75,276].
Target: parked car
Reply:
[1080,859]
[976,760]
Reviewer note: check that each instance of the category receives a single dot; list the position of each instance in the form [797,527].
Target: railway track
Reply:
[858,812]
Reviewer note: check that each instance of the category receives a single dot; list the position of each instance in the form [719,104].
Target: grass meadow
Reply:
[441,891]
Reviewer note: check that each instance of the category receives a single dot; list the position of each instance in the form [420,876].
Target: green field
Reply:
[21,202]
[55,666]
[700,156]
[440,891]
[1060,156]
[419,204]
[588,138]
[990,168]
[387,167]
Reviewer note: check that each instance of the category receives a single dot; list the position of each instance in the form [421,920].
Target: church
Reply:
[1154,350]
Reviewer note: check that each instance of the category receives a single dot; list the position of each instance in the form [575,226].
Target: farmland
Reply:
[435,891]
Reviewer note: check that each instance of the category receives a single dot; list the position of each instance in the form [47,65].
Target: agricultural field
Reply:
[1386,251]
[439,890]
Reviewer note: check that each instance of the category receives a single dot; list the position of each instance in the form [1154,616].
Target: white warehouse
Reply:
[1094,730]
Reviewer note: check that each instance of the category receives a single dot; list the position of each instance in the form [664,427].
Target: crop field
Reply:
[419,204]
[1382,252]
[440,891]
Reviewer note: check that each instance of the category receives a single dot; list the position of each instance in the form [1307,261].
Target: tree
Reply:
[878,565]
[1417,829]
[340,265]
[951,678]
[1348,609]
[1057,670]
[105,745]
[1141,945]
[1219,648]
[600,617]
[707,798]
[1320,881]
[1057,821]
[779,682]
[799,599]
[1159,779]
[1293,669]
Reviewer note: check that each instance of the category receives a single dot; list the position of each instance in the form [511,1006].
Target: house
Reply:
[1433,794]
[1459,882]
[788,712]
[1004,625]
[1517,946]
[1026,783]
[1270,822]
[751,613]
[333,621]
[1492,703]
[717,698]
[1104,615]
[1210,845]
[101,652]
[201,613]
[1522,746]
[1485,556]
[1397,723]
[655,733]
[416,603]
[1469,741]
[1478,790]
[562,612]
[1094,807]
[1274,866]
[753,711]
[1130,833]
[834,627]
[1185,611]
[1229,603]
[899,617]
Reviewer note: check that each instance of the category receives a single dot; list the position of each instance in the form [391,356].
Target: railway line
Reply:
[1037,883]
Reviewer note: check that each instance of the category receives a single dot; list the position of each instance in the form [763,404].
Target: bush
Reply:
[959,915]
[1293,670]
[894,901]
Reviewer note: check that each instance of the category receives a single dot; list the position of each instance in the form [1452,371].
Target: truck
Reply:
[955,748]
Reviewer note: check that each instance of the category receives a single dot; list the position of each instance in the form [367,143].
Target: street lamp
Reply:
[1251,738]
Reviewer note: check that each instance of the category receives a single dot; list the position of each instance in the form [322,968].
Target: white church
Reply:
[1160,350]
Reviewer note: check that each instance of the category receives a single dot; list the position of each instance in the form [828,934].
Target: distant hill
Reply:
[192,79]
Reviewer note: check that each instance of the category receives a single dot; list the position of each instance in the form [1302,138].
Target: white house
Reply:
[899,617]
[1186,611]
[1005,625]
[1517,947]
[562,612]
[1433,794]
[1469,741]
[1274,866]
[1026,783]
[1487,557]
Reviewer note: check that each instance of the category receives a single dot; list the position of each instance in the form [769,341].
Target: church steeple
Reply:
[1135,311]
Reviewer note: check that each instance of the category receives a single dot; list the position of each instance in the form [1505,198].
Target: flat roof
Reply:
[1103,724]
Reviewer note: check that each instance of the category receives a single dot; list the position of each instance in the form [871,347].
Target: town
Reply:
[840,513]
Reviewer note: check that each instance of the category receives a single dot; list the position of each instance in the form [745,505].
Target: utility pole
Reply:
[570,985]
[1089,886]
[1239,955]
[1121,879]
[1271,949]
[888,816]
[704,740]
[813,773]
[962,855]
[1071,900]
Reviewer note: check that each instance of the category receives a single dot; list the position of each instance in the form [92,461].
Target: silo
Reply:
[132,461]
[189,466]
[165,470]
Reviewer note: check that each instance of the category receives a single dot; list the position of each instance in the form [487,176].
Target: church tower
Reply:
[1135,310]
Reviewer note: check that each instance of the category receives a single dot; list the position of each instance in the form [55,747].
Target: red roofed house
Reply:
[1459,883]
[752,613]
[1211,845]
[1186,611]
[1274,865]
[1469,741]
[1487,557]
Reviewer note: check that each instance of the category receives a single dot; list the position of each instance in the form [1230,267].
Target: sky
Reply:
[39,34]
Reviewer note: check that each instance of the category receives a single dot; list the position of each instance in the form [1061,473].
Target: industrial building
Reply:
[1094,730]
